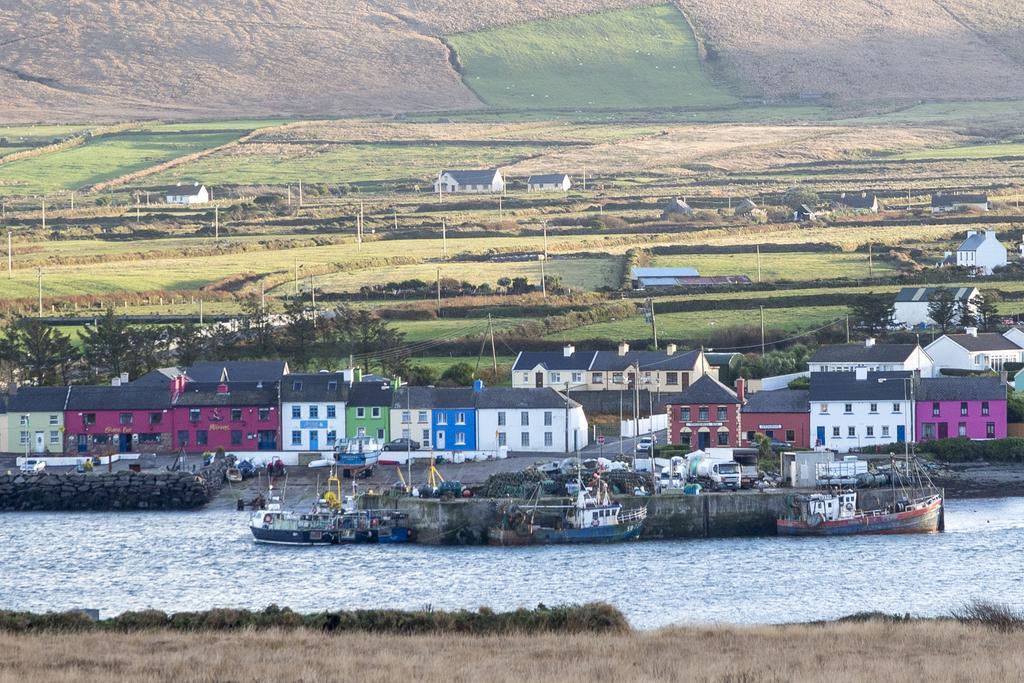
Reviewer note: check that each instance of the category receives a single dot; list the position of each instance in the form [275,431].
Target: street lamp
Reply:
[908,417]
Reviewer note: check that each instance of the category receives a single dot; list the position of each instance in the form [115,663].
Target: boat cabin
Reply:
[833,507]
[599,515]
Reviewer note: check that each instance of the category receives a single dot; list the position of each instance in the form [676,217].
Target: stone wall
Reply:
[116,491]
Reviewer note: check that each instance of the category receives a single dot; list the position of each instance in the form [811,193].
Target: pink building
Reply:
[100,420]
[952,407]
[235,416]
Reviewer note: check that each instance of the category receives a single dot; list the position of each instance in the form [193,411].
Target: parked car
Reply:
[33,466]
[645,444]
[779,445]
[402,444]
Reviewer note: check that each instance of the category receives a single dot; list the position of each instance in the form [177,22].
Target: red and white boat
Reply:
[836,514]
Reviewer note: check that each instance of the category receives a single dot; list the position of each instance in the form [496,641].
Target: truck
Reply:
[715,472]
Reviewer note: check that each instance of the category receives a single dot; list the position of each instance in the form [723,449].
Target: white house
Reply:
[981,251]
[479,181]
[974,351]
[912,303]
[1016,335]
[942,203]
[530,420]
[551,182]
[862,202]
[185,193]
[857,409]
[411,415]
[874,357]
[313,410]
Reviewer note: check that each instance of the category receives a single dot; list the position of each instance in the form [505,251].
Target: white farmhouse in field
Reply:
[550,182]
[470,182]
[186,193]
[944,203]
[974,351]
[981,251]
[911,304]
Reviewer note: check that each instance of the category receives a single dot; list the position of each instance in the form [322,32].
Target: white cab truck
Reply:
[715,472]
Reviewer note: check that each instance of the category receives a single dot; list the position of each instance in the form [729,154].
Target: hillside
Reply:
[91,60]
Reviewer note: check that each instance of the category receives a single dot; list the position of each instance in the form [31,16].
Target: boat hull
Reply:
[292,536]
[922,521]
[548,536]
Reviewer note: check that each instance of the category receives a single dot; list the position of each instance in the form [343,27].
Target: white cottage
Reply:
[981,252]
[872,356]
[857,409]
[470,182]
[552,182]
[530,420]
[313,410]
[186,193]
[911,306]
[974,350]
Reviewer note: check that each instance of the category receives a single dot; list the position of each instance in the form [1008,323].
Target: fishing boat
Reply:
[374,526]
[358,452]
[837,514]
[274,524]
[589,519]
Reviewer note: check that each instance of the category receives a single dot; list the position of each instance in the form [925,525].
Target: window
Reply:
[332,436]
[202,438]
[53,419]
[442,419]
[885,430]
[314,412]
[193,415]
[460,438]
[851,431]
[823,409]
[501,418]
[597,378]
[380,433]
[332,385]
[616,378]
[847,408]
[296,385]
[296,437]
[360,413]
[526,377]
[460,418]
[375,412]
[703,413]
[264,414]
[125,418]
[156,418]
[896,408]
[936,409]
[870,431]
[89,418]
[722,414]
[549,439]
[236,437]
[723,438]
[149,438]
[672,378]
[524,439]
[406,417]
[54,436]
[577,378]
[547,418]
[963,409]
[990,430]
[790,435]
[24,420]
[524,419]
[332,412]
[873,408]
[236,414]
[183,437]
[684,413]
[984,407]
[426,437]
[296,412]
[24,438]
[961,429]
[556,377]
[502,439]
[835,432]
[750,436]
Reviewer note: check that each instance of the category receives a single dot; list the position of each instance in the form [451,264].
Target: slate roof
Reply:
[706,390]
[472,177]
[745,206]
[318,387]
[859,353]
[413,397]
[159,377]
[984,341]
[844,386]
[857,200]
[3,406]
[523,399]
[778,401]
[125,397]
[554,360]
[610,361]
[720,358]
[239,394]
[941,199]
[238,371]
[370,394]
[973,242]
[961,389]
[38,400]
[924,294]
[182,190]
[546,178]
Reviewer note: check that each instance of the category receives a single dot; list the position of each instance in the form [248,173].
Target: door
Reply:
[539,380]
[901,433]
[124,443]
[83,443]
[943,430]
[40,442]
[821,436]
[439,440]
[703,440]
[266,440]
[314,440]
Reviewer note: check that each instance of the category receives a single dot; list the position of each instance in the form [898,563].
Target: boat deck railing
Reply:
[635,515]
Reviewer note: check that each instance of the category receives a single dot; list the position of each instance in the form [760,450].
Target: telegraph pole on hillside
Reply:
[762,330]
[300,193]
[39,273]
[444,237]
[494,353]
[543,278]
[871,265]
[10,258]
[654,323]
[44,214]
[758,262]
[439,292]
[216,223]
[545,239]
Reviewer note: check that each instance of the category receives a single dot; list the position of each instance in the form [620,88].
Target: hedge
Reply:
[1010,450]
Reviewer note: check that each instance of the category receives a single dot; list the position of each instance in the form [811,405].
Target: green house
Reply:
[35,420]
[368,411]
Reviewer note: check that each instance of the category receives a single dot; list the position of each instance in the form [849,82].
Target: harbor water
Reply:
[194,561]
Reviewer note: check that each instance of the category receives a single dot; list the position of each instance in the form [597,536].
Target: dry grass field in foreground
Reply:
[838,653]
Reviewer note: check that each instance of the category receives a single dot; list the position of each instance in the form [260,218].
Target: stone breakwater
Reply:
[116,491]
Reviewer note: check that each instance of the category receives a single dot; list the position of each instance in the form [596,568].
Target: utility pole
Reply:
[500,214]
[847,329]
[396,220]
[263,297]
[216,223]
[44,214]
[758,262]
[494,353]
[545,239]
[654,323]
[200,311]
[300,194]
[39,273]
[296,278]
[762,330]
[444,237]
[289,196]
[871,270]
[439,292]
[312,294]
[73,200]
[440,198]
[10,258]
[543,278]
[584,178]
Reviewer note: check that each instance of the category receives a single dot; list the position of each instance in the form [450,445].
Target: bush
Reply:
[964,450]
[999,617]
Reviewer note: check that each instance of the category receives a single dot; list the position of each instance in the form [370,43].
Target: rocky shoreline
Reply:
[980,480]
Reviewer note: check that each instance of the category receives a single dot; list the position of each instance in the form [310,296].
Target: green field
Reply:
[779,266]
[1009,149]
[623,59]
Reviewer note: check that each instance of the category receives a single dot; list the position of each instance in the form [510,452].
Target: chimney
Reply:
[990,233]
[670,350]
[222,388]
[869,342]
[971,331]
[115,382]
[972,233]
[568,350]
[124,378]
[478,386]
[741,390]
[861,373]
[357,374]
[623,348]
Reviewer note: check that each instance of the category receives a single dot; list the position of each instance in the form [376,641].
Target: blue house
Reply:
[453,419]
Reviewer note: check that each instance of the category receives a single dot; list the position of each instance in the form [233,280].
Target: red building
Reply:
[117,419]
[706,414]
[782,415]
[235,416]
